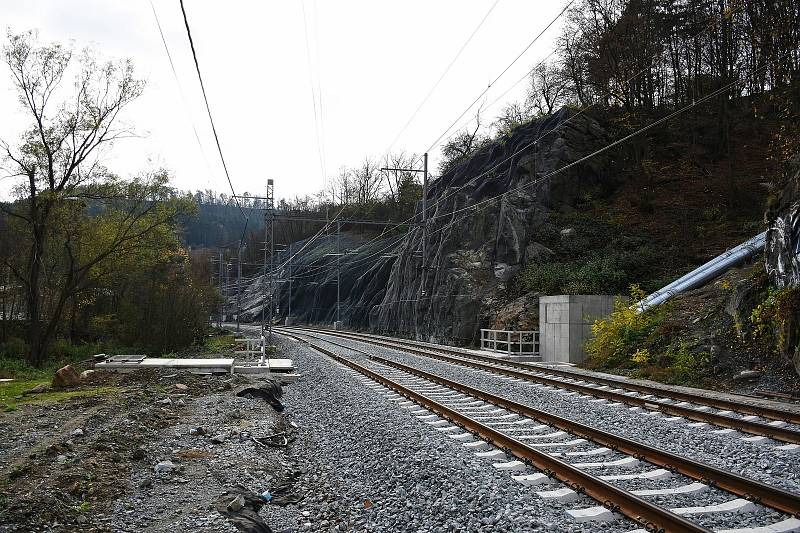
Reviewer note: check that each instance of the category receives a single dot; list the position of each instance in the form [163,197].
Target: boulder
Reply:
[65,378]
[782,256]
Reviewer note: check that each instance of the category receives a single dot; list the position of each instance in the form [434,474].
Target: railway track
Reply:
[779,424]
[567,452]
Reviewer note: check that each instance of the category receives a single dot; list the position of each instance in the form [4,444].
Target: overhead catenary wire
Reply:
[495,80]
[439,81]
[315,93]
[487,202]
[180,88]
[208,109]
[480,96]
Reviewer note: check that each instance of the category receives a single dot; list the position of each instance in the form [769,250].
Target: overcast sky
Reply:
[373,62]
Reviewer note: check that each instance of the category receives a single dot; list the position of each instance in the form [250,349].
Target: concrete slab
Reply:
[739,505]
[534,479]
[784,526]
[196,366]
[593,514]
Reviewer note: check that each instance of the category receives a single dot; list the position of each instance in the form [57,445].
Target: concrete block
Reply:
[739,505]
[565,323]
[592,514]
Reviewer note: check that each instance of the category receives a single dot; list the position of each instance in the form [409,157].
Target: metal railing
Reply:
[523,343]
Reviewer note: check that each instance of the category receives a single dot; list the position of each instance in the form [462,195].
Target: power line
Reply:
[317,126]
[446,70]
[180,89]
[315,19]
[501,74]
[208,108]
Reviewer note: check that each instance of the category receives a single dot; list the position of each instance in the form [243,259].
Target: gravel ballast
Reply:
[755,460]
[362,447]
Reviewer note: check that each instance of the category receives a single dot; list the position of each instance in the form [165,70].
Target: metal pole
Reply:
[221,281]
[264,275]
[238,287]
[424,217]
[271,273]
[338,267]
[289,308]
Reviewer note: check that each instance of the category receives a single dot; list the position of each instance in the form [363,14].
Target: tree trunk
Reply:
[34,310]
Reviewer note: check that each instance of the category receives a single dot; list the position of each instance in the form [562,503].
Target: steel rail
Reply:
[719,403]
[647,514]
[750,489]
[765,411]
[753,427]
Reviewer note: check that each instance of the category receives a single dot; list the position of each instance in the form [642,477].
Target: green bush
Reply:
[620,340]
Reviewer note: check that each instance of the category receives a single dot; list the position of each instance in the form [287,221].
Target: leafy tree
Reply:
[71,216]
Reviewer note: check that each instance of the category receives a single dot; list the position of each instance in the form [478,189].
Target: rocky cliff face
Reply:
[783,236]
[782,262]
[364,270]
[475,242]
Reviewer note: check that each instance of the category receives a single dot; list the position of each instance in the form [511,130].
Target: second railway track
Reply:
[524,432]
[731,415]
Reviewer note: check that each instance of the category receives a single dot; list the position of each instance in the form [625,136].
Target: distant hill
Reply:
[219,225]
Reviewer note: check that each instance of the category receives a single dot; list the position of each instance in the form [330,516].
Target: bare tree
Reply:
[367,180]
[58,164]
[462,144]
[512,115]
[395,180]
[548,89]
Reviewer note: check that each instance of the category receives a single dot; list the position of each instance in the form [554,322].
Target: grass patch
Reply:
[220,343]
[11,393]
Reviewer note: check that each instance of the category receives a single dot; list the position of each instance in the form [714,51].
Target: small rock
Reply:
[567,232]
[165,466]
[198,431]
[747,375]
[41,387]
[145,483]
[65,378]
[181,387]
[217,439]
[165,401]
[61,459]
[86,374]
[236,504]
[78,432]
[267,496]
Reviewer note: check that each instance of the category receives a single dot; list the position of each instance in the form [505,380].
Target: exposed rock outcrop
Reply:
[478,239]
[783,235]
[782,257]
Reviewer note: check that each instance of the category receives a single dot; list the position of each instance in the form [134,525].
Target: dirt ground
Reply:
[156,451]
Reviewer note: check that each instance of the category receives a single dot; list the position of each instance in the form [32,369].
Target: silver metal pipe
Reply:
[705,273]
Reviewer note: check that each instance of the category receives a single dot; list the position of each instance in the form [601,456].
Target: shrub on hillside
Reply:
[619,340]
